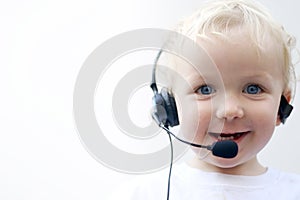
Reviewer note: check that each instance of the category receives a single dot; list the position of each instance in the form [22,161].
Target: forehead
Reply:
[238,52]
[235,57]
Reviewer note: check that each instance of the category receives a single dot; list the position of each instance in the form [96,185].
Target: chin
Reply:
[224,163]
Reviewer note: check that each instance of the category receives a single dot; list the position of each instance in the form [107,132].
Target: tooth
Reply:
[238,135]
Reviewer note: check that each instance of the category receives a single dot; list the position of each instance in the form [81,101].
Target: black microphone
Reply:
[223,148]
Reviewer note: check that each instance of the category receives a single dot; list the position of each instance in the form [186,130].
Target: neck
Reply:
[249,168]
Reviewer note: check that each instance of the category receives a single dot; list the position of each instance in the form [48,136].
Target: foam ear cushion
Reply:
[159,113]
[285,109]
[171,108]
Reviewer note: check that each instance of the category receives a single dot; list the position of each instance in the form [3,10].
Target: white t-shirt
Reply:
[188,183]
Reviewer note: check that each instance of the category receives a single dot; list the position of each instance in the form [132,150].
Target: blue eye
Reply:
[205,90]
[253,89]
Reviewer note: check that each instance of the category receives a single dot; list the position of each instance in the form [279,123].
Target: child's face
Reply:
[239,103]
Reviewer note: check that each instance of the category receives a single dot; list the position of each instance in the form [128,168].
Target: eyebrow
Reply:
[194,78]
[259,75]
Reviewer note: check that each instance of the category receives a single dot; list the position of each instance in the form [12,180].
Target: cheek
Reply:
[263,119]
[195,118]
[264,114]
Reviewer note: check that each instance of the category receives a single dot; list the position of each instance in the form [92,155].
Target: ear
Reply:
[288,96]
[285,108]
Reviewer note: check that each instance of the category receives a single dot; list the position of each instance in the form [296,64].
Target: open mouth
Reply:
[228,136]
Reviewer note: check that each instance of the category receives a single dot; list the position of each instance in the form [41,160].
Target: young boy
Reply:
[252,55]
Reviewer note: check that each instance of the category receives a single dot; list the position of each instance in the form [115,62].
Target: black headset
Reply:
[165,110]
[164,106]
[284,110]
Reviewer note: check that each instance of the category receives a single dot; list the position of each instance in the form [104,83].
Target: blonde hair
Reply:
[220,17]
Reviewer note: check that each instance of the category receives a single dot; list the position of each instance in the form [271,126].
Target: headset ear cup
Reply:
[159,113]
[284,110]
[171,108]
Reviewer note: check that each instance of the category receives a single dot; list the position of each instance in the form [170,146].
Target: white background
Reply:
[43,45]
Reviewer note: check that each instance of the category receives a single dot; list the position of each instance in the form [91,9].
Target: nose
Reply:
[230,108]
